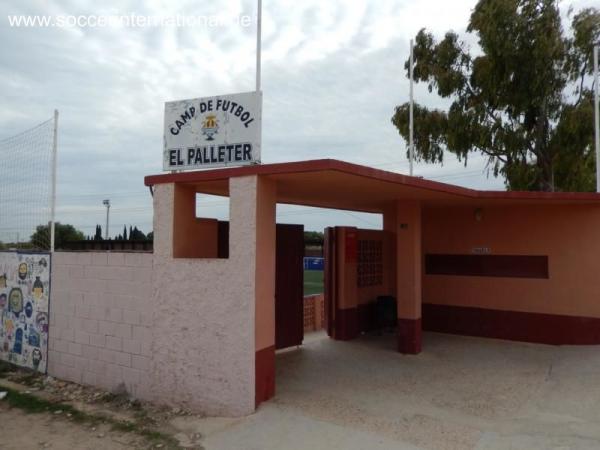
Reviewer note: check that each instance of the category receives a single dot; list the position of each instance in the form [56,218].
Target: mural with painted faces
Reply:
[9,327]
[23,271]
[36,357]
[18,346]
[41,321]
[34,338]
[15,301]
[38,288]
[24,301]
[28,309]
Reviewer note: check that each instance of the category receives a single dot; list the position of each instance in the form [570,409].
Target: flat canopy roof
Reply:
[330,183]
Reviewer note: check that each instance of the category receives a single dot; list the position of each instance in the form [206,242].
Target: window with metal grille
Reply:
[370,263]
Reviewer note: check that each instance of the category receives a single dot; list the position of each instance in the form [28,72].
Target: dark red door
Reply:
[330,291]
[289,286]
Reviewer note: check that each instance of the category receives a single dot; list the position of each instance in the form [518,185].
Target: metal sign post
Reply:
[258,43]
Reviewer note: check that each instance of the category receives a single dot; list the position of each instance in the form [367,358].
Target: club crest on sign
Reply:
[210,127]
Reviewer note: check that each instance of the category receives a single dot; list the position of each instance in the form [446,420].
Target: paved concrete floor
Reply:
[460,393]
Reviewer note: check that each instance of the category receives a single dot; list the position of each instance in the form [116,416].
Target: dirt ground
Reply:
[22,431]
[461,393]
[40,412]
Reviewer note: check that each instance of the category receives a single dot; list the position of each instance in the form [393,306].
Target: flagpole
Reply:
[411,149]
[258,43]
[597,117]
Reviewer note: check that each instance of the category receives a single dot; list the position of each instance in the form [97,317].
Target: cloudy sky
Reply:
[332,74]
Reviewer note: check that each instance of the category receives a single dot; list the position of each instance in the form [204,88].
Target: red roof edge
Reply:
[360,170]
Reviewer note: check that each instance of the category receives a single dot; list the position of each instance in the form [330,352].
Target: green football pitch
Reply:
[313,282]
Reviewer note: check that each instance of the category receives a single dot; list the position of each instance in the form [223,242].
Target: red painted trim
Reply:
[351,246]
[511,266]
[264,364]
[363,171]
[346,325]
[367,317]
[512,325]
[409,336]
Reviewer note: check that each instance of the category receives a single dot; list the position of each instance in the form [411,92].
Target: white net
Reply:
[26,188]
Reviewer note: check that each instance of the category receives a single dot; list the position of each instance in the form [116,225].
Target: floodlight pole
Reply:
[258,43]
[411,149]
[53,187]
[107,204]
[597,117]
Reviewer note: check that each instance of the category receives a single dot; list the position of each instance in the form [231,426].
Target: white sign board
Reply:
[212,131]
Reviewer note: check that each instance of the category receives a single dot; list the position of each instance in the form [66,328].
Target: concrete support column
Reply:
[266,202]
[204,336]
[404,219]
[346,314]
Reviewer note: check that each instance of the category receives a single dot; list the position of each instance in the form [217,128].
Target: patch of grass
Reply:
[156,436]
[35,405]
[143,419]
[125,427]
[313,282]
[29,379]
[29,403]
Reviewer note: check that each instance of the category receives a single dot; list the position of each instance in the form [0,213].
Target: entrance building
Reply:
[508,265]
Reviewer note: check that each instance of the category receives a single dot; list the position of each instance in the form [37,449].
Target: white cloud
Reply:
[332,74]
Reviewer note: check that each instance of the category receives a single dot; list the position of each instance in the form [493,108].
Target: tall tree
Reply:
[524,100]
[124,237]
[136,235]
[98,235]
[62,233]
[313,238]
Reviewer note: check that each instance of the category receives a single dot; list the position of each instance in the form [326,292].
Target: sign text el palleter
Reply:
[212,131]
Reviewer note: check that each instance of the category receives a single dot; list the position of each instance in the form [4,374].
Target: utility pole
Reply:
[107,204]
[411,144]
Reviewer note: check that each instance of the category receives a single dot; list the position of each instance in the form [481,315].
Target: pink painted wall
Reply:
[204,320]
[404,220]
[195,237]
[265,259]
[566,234]
[346,240]
[101,319]
[176,331]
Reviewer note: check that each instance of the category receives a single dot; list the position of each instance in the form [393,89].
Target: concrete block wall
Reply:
[314,312]
[204,347]
[101,313]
